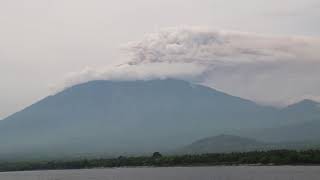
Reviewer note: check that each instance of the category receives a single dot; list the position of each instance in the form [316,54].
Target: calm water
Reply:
[176,173]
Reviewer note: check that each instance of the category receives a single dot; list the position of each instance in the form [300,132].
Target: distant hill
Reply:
[299,132]
[222,143]
[232,143]
[135,117]
[302,125]
[300,112]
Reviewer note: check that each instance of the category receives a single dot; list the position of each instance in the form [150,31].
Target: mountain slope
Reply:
[130,117]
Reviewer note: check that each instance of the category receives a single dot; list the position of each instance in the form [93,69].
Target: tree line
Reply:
[273,157]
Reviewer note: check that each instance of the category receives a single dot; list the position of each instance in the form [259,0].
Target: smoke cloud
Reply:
[264,68]
[201,46]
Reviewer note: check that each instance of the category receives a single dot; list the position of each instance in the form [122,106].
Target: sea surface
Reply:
[174,173]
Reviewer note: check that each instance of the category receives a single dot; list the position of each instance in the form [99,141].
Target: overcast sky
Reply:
[43,41]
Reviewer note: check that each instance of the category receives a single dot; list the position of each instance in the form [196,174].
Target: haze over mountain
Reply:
[231,143]
[222,143]
[299,132]
[135,117]
[303,125]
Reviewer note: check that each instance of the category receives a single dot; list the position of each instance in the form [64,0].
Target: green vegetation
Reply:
[275,157]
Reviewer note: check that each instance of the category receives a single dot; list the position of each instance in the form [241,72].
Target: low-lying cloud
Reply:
[126,72]
[265,68]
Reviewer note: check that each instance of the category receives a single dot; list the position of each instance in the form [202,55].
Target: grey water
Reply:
[174,173]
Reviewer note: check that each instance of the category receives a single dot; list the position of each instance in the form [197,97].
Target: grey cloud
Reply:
[202,46]
[249,65]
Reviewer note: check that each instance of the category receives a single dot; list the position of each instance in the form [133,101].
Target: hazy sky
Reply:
[42,41]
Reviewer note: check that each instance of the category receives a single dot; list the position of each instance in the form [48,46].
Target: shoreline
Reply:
[254,158]
[152,167]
